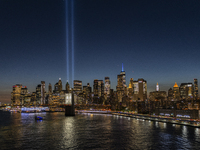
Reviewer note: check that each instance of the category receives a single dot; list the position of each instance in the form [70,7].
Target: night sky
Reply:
[158,40]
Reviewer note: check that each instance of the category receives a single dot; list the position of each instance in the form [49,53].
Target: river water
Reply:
[92,131]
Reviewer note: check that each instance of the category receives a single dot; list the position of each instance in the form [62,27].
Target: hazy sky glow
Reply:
[157,40]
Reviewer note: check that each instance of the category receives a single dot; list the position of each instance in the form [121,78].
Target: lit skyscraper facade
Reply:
[77,86]
[67,87]
[135,87]
[20,95]
[195,89]
[42,92]
[16,93]
[50,88]
[157,87]
[95,87]
[24,92]
[186,90]
[59,85]
[140,89]
[120,87]
[130,87]
[123,73]
[89,88]
[107,86]
[170,94]
[176,92]
[98,88]
[38,94]
[49,96]
[121,84]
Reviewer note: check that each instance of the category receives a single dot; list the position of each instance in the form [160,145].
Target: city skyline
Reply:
[79,88]
[155,40]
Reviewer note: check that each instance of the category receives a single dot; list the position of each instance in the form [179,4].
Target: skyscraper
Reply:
[107,86]
[42,92]
[98,88]
[49,96]
[186,90]
[56,88]
[50,88]
[95,87]
[24,92]
[121,84]
[176,91]
[140,89]
[130,88]
[123,73]
[195,89]
[38,94]
[77,86]
[157,87]
[170,94]
[59,85]
[120,87]
[67,87]
[89,88]
[16,93]
[20,95]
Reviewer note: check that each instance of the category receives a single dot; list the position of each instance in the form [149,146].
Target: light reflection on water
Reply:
[197,132]
[94,131]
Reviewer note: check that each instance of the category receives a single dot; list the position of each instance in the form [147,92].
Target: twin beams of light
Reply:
[70,40]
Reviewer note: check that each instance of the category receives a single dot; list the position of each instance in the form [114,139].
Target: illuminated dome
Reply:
[175,85]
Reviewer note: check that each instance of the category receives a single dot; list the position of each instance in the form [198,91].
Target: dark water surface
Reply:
[92,131]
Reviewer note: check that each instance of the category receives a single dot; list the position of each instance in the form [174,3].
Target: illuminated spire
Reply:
[157,87]
[122,67]
[175,85]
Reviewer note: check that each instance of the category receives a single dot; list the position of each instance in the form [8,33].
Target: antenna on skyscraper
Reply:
[122,67]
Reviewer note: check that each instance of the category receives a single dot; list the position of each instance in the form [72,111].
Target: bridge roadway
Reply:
[187,122]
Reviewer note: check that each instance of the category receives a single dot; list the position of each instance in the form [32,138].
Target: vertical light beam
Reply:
[72,30]
[67,39]
[70,40]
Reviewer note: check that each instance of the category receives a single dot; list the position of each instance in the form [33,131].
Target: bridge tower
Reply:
[69,101]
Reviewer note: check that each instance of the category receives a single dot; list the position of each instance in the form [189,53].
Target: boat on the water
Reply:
[38,118]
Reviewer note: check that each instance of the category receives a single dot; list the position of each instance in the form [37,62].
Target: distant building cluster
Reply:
[131,97]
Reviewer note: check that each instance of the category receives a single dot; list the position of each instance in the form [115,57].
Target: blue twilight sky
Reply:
[158,40]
